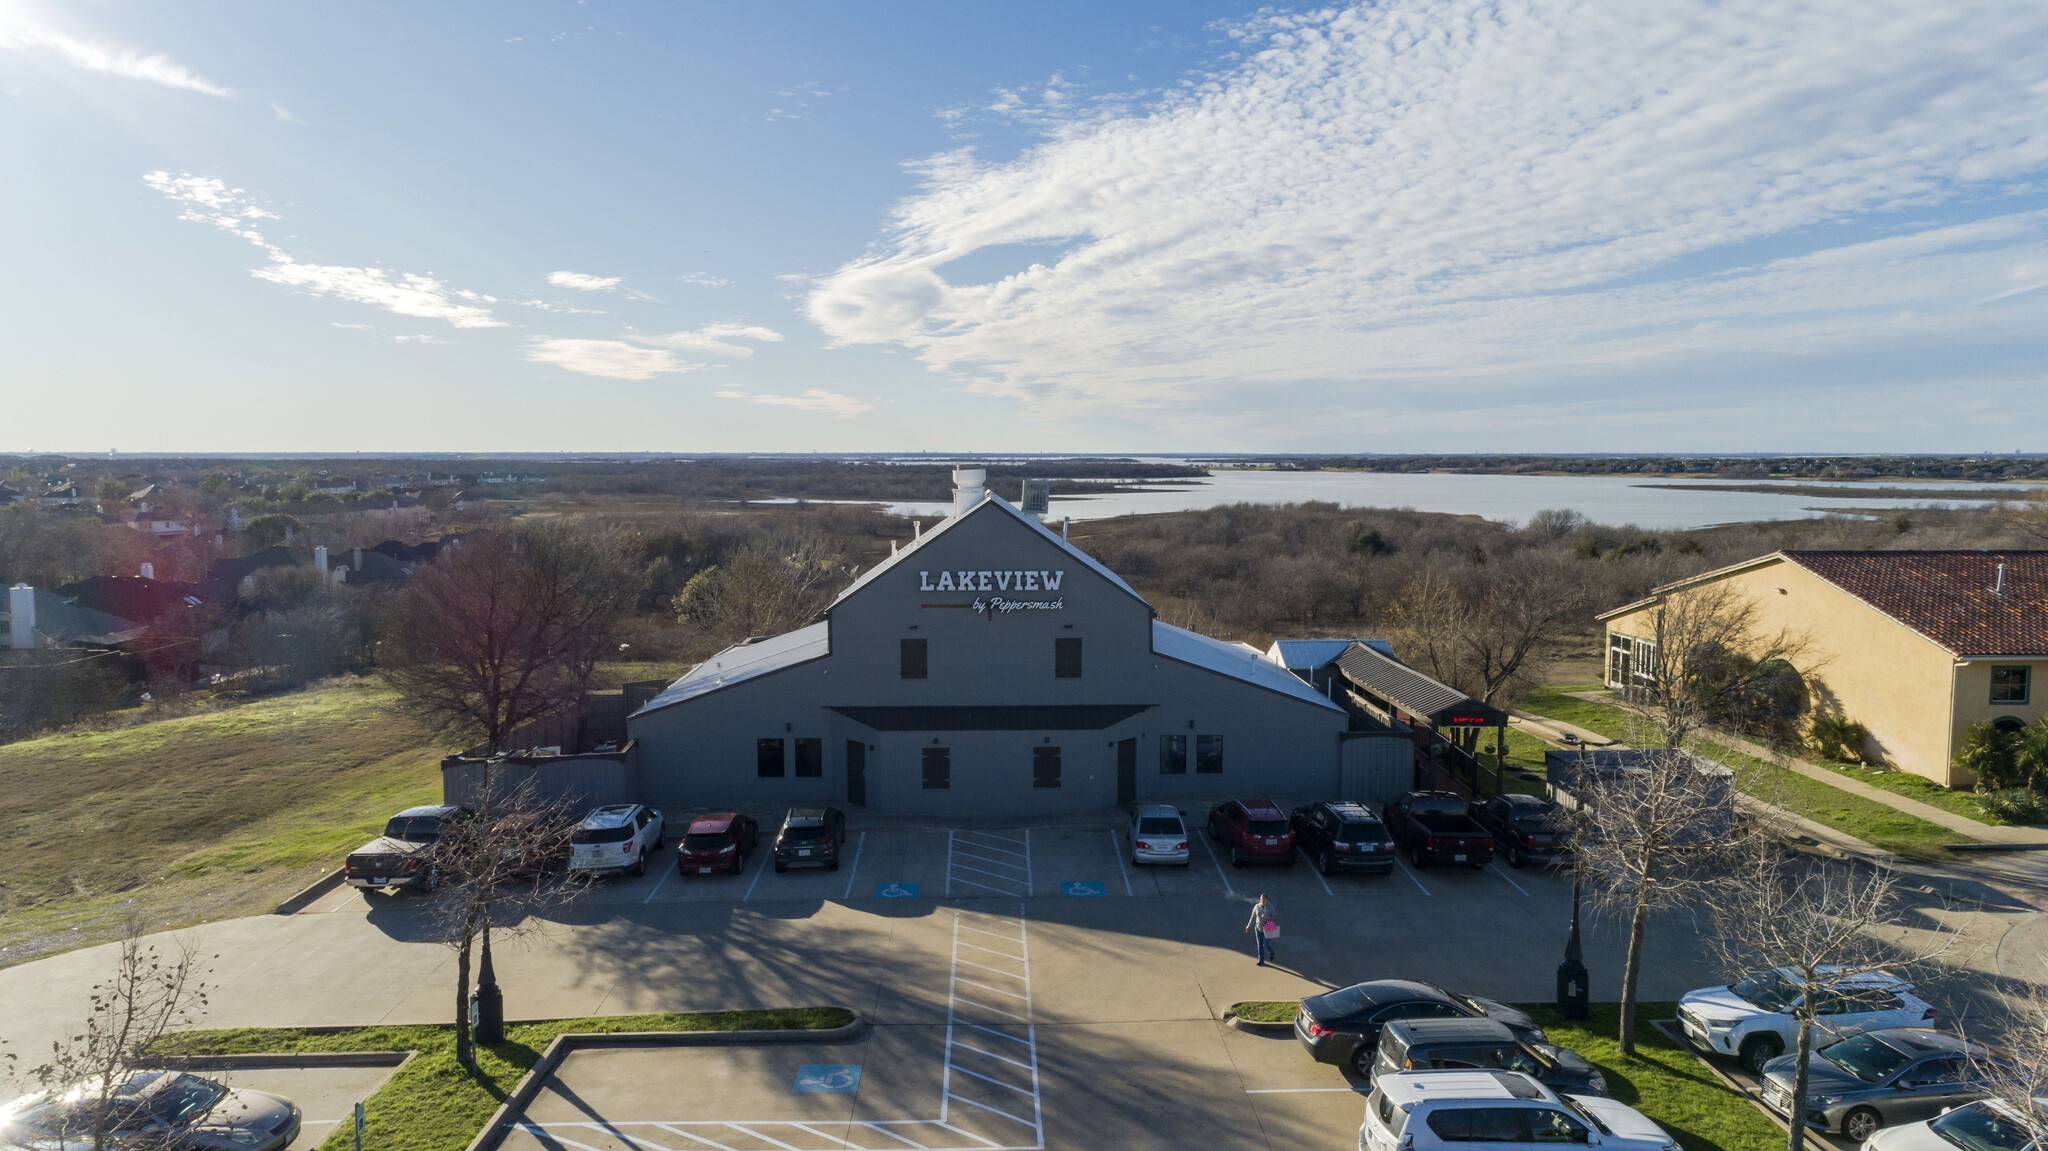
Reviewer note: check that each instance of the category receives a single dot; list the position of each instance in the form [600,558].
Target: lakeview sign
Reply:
[991,581]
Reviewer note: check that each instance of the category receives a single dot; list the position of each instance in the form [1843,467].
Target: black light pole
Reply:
[487,1003]
[1572,977]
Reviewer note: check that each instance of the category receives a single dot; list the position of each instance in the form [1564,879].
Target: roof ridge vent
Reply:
[1998,588]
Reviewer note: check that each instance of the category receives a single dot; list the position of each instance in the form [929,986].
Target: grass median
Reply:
[1866,819]
[1662,1080]
[432,1104]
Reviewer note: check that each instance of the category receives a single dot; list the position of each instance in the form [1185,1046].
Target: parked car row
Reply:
[153,1111]
[1340,835]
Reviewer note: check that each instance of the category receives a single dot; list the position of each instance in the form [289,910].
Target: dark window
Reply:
[1415,1009]
[1949,1069]
[1066,658]
[810,758]
[768,758]
[938,768]
[1548,1126]
[601,835]
[2009,684]
[1045,767]
[1208,755]
[912,654]
[1480,1124]
[1173,755]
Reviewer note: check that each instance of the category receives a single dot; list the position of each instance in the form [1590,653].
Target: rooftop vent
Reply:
[969,485]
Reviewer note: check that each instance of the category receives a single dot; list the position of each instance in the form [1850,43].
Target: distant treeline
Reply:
[755,479]
[1983,468]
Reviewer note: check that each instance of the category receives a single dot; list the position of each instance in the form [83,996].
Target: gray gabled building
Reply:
[988,668]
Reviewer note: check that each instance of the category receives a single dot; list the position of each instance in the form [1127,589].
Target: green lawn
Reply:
[431,1104]
[1662,1079]
[181,820]
[1830,806]
[1918,787]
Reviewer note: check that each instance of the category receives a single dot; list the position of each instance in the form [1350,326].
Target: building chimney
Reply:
[1065,523]
[1999,587]
[892,547]
[917,529]
[356,560]
[148,570]
[21,616]
[320,559]
[969,485]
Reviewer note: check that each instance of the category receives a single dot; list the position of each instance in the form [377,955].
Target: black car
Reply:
[1343,1026]
[810,837]
[1483,1044]
[1343,837]
[1526,828]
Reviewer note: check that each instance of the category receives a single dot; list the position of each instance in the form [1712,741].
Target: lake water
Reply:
[1603,499]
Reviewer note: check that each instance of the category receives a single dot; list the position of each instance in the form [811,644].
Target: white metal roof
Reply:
[1307,654]
[988,498]
[744,662]
[1231,659]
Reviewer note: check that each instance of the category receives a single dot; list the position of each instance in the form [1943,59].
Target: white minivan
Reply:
[1453,1110]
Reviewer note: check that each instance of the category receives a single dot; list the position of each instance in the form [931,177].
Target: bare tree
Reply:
[1479,638]
[499,869]
[1647,837]
[2017,1074]
[1690,681]
[1826,924]
[149,996]
[507,628]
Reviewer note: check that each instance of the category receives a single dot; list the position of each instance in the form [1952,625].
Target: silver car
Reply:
[1990,1125]
[1881,1078]
[1158,835]
[154,1110]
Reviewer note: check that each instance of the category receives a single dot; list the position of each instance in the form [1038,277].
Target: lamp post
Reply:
[487,1002]
[1572,978]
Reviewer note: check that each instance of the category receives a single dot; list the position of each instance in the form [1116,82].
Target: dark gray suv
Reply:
[1484,1045]
[1882,1078]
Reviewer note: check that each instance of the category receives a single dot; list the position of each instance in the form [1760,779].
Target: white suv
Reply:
[1752,1019]
[1158,835]
[1427,1110]
[617,838]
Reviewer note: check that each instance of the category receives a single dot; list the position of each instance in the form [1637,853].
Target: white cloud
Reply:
[583,283]
[704,278]
[86,55]
[812,400]
[612,358]
[208,200]
[717,339]
[1425,193]
[283,113]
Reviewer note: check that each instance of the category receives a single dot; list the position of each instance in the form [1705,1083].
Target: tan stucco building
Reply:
[1914,645]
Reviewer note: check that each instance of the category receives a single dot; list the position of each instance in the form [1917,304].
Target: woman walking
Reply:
[1264,926]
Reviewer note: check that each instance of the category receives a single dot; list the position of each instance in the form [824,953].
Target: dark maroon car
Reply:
[1255,831]
[716,842]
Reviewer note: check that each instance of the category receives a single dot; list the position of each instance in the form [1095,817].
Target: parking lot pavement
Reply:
[326,1095]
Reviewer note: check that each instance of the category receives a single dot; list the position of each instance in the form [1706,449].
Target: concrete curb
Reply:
[1256,1027]
[310,892]
[522,1096]
[1672,1031]
[1996,846]
[258,1059]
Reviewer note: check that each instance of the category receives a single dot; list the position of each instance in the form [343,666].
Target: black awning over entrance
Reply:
[1414,695]
[1053,717]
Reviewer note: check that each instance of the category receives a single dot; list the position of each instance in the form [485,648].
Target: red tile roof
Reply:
[1947,596]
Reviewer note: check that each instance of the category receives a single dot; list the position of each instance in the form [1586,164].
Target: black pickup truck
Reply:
[399,857]
[1437,826]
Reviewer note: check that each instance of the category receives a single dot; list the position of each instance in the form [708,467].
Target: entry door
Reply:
[856,772]
[1127,771]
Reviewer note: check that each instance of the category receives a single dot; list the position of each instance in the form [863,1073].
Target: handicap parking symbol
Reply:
[897,890]
[1083,887]
[832,1078]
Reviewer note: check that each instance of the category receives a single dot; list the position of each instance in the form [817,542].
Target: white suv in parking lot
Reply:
[1158,835]
[617,838]
[1426,1110]
[1752,1018]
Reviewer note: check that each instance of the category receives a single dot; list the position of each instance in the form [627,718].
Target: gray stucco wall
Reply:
[701,752]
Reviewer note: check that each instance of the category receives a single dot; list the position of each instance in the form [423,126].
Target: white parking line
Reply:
[1318,872]
[1204,837]
[759,868]
[657,883]
[1411,877]
[863,842]
[1504,875]
[1117,849]
[1028,888]
[1303,1091]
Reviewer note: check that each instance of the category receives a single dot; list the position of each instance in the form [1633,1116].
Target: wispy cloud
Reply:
[584,283]
[208,200]
[705,278]
[91,56]
[283,113]
[1428,192]
[717,339]
[800,101]
[614,359]
[812,400]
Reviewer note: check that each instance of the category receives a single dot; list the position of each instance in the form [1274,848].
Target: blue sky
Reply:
[1413,225]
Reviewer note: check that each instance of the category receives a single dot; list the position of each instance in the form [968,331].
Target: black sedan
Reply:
[1526,828]
[1343,1026]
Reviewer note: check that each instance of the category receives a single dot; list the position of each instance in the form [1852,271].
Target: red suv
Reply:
[1254,829]
[717,842]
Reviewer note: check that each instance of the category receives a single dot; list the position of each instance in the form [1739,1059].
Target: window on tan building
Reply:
[2010,684]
